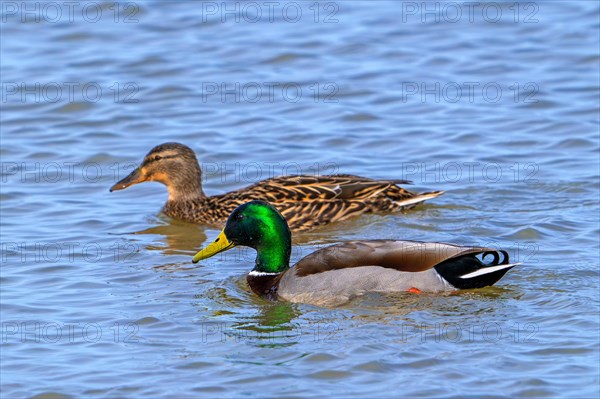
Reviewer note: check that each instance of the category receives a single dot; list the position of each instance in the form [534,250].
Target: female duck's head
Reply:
[258,225]
[172,164]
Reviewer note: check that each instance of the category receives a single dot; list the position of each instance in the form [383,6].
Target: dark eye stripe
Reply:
[160,159]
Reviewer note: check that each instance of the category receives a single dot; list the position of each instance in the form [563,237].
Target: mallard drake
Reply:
[305,201]
[335,274]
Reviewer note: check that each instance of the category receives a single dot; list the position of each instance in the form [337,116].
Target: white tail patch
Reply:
[486,270]
[418,198]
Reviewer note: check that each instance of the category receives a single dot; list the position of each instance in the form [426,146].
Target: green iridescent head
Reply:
[258,225]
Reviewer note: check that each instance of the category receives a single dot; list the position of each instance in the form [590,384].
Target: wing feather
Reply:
[309,201]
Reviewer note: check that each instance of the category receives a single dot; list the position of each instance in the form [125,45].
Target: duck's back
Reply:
[309,201]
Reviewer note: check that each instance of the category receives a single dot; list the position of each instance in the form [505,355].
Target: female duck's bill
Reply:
[134,177]
[335,274]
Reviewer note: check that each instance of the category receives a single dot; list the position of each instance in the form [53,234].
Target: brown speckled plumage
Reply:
[305,201]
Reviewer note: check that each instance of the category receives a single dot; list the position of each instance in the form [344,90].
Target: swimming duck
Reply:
[337,273]
[305,201]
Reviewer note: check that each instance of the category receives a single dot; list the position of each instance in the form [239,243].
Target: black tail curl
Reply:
[453,269]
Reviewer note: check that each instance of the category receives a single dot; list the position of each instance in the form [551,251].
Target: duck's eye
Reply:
[240,216]
[157,158]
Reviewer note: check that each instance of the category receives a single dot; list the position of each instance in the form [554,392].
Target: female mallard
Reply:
[335,274]
[305,201]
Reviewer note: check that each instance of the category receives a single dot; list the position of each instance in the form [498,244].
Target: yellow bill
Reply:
[220,244]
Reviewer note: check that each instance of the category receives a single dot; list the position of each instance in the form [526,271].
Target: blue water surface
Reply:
[496,103]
